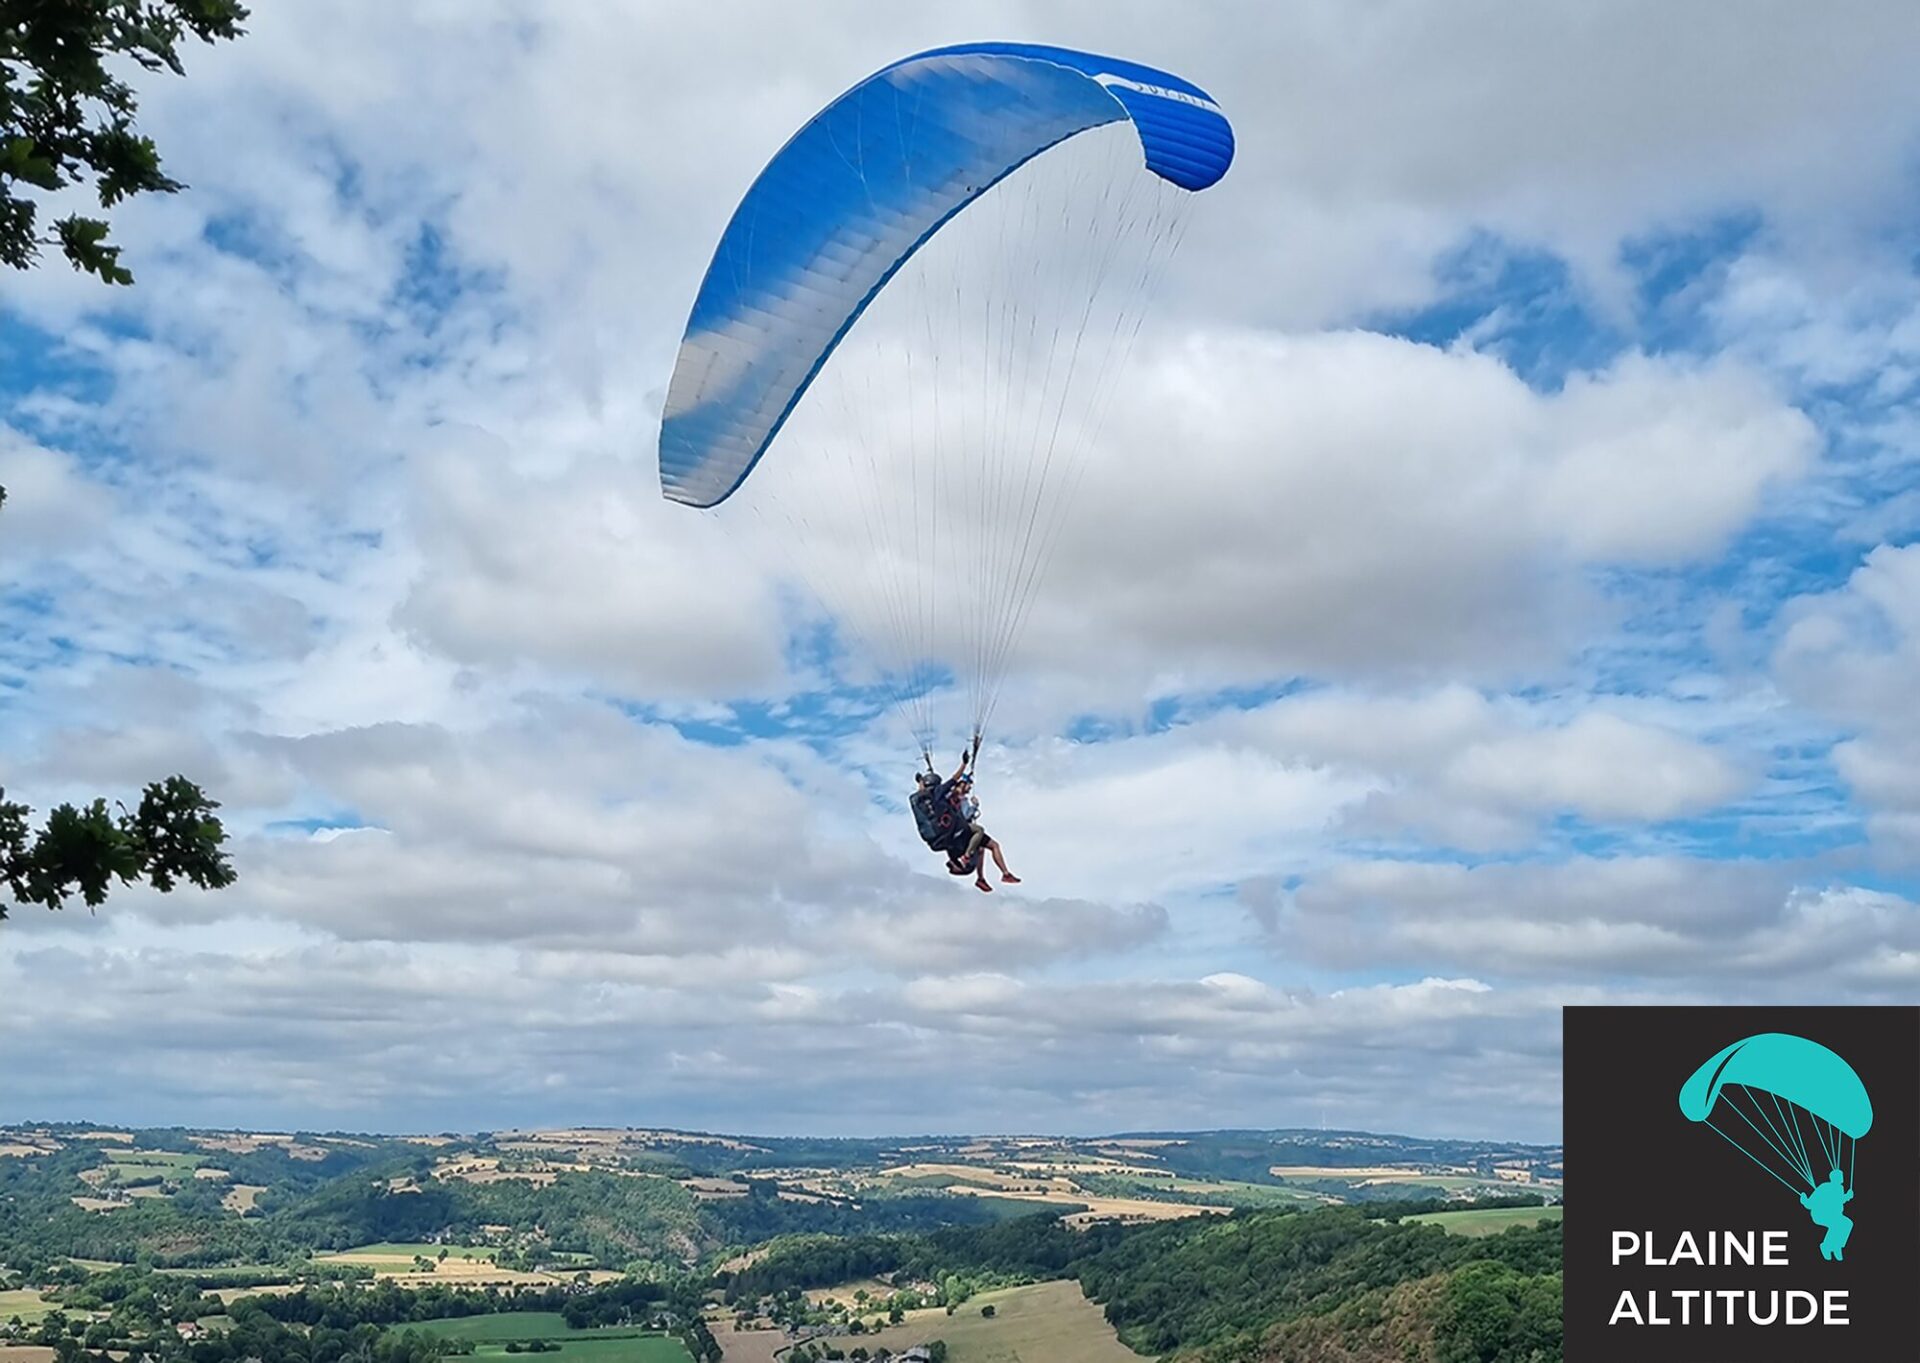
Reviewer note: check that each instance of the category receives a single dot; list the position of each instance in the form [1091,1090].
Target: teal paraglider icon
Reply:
[1794,1108]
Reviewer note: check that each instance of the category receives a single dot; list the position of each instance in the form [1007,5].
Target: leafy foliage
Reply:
[1223,1288]
[1189,1284]
[173,836]
[65,119]
[765,1215]
[1493,1314]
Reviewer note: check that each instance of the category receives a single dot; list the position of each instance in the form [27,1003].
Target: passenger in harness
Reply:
[948,818]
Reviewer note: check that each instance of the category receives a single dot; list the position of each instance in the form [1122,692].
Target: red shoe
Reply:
[982,886]
[1009,878]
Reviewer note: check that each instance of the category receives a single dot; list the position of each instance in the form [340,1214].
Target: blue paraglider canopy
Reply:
[998,214]
[858,190]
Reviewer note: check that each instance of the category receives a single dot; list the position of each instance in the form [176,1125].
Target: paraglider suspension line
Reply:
[1782,1133]
[1787,1147]
[1755,1158]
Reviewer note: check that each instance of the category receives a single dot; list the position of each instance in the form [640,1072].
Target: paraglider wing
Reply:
[856,191]
[1791,1105]
[1800,1071]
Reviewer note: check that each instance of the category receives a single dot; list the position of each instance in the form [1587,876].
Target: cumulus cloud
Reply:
[333,1035]
[593,574]
[1363,504]
[1854,654]
[1258,506]
[1390,728]
[50,502]
[1720,926]
[1460,768]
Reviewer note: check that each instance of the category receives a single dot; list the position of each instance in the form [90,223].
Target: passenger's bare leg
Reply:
[993,846]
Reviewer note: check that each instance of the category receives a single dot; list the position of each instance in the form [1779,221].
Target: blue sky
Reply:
[1527,614]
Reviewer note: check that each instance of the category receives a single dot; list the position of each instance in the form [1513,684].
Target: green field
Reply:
[26,1305]
[1488,1220]
[491,1333]
[500,1327]
[625,1348]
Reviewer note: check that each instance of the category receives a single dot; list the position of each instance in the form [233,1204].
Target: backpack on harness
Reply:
[936,819]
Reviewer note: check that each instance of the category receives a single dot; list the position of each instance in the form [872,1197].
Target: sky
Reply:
[1534,619]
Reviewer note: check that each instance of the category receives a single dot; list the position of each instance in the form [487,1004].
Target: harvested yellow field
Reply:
[463,1272]
[212,1175]
[229,1295]
[1385,1173]
[974,1173]
[461,1268]
[678,1138]
[479,1273]
[27,1353]
[469,1273]
[18,1150]
[971,1180]
[1091,1167]
[487,1169]
[241,1197]
[845,1293]
[736,1346]
[1044,1323]
[377,1259]
[428,1140]
[252,1142]
[239,1142]
[1101,1208]
[584,1137]
[711,1189]
[1129,1209]
[123,1137]
[747,1260]
[96,1204]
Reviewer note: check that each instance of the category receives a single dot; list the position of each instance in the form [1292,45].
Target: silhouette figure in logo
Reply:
[1826,1205]
[1783,1101]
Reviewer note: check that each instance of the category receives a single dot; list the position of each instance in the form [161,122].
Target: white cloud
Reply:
[592,574]
[375,536]
[1331,506]
[1718,927]
[1853,654]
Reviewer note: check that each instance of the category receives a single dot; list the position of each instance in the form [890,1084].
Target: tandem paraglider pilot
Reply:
[948,819]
